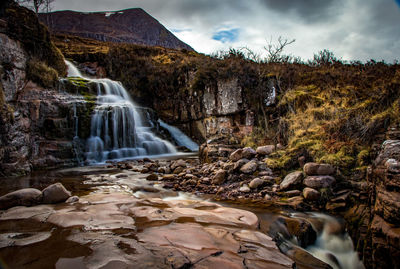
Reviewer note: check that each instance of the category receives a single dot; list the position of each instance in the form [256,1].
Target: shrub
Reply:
[41,73]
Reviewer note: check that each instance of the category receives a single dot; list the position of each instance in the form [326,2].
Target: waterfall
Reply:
[180,138]
[72,70]
[118,129]
[333,247]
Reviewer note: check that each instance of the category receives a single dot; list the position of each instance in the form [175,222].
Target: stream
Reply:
[38,243]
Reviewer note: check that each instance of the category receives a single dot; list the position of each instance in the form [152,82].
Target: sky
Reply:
[351,29]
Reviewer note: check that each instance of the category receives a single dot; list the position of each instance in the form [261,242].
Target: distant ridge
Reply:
[124,26]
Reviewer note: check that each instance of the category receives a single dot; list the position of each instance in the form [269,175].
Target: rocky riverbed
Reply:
[120,216]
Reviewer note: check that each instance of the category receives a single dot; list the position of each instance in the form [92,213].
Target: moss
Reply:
[40,73]
[363,157]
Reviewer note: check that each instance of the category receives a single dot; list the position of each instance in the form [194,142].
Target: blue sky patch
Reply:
[226,36]
[398,2]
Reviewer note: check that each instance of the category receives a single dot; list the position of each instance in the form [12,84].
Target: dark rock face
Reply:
[124,26]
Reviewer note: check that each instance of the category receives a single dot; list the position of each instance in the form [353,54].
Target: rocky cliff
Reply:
[123,26]
[36,118]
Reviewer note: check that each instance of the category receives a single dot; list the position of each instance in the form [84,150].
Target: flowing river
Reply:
[30,241]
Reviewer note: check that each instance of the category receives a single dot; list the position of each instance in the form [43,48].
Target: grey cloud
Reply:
[310,11]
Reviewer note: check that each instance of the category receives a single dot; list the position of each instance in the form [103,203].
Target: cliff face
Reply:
[36,119]
[124,26]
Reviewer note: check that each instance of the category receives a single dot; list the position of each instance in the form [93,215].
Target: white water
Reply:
[180,138]
[118,130]
[72,71]
[329,244]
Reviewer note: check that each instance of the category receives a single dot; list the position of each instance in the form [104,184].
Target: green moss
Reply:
[40,73]
[363,157]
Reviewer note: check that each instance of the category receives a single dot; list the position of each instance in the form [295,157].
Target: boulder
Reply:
[249,168]
[23,197]
[255,183]
[291,181]
[248,153]
[152,177]
[178,163]
[318,169]
[219,177]
[55,193]
[317,182]
[265,150]
[236,155]
[311,194]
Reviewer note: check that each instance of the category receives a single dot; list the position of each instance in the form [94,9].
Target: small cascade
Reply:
[72,71]
[119,129]
[333,246]
[180,138]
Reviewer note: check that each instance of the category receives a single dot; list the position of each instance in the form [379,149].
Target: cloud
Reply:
[352,29]
[226,36]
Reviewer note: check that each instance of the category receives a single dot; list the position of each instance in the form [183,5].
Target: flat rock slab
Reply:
[122,231]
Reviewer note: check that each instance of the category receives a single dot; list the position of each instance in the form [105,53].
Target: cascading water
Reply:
[180,138]
[118,130]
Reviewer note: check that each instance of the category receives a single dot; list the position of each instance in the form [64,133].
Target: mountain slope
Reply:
[124,26]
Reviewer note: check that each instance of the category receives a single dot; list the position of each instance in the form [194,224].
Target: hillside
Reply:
[125,26]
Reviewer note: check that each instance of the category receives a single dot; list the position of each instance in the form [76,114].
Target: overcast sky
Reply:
[352,29]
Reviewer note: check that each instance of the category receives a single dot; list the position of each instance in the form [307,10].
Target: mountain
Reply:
[125,26]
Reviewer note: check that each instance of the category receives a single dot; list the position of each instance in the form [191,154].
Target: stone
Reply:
[55,193]
[244,188]
[291,181]
[236,155]
[256,182]
[23,197]
[152,177]
[178,163]
[169,177]
[292,193]
[72,199]
[179,170]
[265,150]
[387,205]
[228,166]
[219,177]
[318,182]
[239,164]
[249,168]
[267,197]
[311,194]
[248,153]
[318,169]
[392,166]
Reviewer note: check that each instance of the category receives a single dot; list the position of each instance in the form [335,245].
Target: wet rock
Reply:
[178,170]
[228,166]
[23,197]
[318,169]
[152,177]
[265,150]
[248,153]
[387,205]
[22,239]
[249,168]
[256,182]
[318,182]
[291,181]
[244,188]
[267,197]
[311,194]
[168,177]
[55,193]
[236,155]
[219,177]
[392,166]
[72,199]
[331,206]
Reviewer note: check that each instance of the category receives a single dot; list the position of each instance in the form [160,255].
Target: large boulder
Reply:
[24,197]
[55,193]
[249,168]
[318,182]
[318,169]
[291,181]
[265,150]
